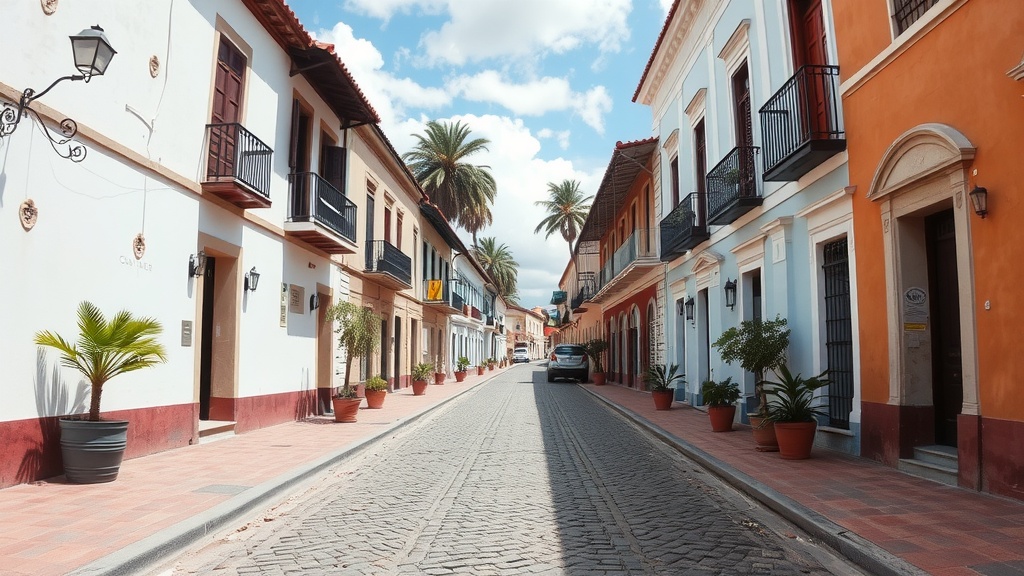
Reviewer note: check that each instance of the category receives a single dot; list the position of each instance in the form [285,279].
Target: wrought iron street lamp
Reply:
[92,53]
[979,198]
[252,279]
[197,264]
[730,294]
[688,305]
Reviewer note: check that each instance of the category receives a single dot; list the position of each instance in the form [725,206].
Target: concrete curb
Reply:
[162,545]
[861,552]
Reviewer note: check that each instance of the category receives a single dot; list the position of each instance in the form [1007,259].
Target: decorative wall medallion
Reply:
[49,6]
[885,225]
[154,66]
[959,199]
[139,246]
[29,214]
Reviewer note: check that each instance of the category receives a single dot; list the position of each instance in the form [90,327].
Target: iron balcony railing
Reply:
[804,111]
[236,153]
[382,256]
[440,291]
[640,244]
[315,199]
[732,186]
[458,301]
[684,227]
[586,287]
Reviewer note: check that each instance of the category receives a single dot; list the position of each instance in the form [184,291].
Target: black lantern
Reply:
[252,279]
[92,53]
[197,264]
[688,305]
[979,198]
[730,294]
[314,302]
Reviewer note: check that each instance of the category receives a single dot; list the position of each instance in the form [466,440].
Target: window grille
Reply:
[906,12]
[839,333]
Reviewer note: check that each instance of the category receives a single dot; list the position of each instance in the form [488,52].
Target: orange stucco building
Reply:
[932,97]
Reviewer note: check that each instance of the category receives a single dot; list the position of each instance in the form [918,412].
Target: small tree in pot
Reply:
[595,349]
[359,334]
[104,349]
[759,346]
[720,398]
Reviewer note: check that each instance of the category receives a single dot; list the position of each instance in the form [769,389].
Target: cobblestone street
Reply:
[517,477]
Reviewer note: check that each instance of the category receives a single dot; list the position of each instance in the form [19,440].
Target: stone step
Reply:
[213,430]
[934,462]
[945,456]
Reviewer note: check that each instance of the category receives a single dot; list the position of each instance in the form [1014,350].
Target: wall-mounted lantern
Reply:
[979,198]
[730,294]
[197,264]
[252,279]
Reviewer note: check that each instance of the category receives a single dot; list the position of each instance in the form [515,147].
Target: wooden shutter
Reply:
[293,148]
[334,166]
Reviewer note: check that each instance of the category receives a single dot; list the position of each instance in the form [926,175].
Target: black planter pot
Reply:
[92,451]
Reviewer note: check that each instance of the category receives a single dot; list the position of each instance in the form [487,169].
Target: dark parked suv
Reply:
[568,361]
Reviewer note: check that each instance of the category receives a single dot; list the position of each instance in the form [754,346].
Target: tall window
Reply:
[838,333]
[906,12]
[700,162]
[675,181]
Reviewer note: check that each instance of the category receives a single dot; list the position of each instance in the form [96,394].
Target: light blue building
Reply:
[755,203]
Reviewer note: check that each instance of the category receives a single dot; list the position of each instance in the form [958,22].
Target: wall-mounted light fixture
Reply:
[730,294]
[979,198]
[688,306]
[92,53]
[197,264]
[252,279]
[314,302]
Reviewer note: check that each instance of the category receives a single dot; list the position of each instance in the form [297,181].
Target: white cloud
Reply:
[561,136]
[388,94]
[666,5]
[385,9]
[483,30]
[536,97]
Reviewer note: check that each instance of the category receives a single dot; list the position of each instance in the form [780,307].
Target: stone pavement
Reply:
[876,516]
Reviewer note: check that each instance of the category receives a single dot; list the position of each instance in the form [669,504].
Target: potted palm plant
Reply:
[359,334]
[376,391]
[420,373]
[792,408]
[759,346]
[460,368]
[659,380]
[480,369]
[93,448]
[595,349]
[720,398]
[439,374]
[490,363]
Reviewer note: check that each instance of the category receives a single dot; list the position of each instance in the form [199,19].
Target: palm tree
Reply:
[461,190]
[498,263]
[567,211]
[105,348]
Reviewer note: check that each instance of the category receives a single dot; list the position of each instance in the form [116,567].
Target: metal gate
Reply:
[839,333]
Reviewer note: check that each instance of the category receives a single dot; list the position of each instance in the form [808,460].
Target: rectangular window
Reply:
[838,333]
[700,163]
[675,181]
[906,12]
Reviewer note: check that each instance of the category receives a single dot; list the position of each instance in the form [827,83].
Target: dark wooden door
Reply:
[398,353]
[700,150]
[206,340]
[333,168]
[744,132]
[227,104]
[947,373]
[810,49]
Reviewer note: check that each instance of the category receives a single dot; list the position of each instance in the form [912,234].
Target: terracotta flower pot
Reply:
[764,435]
[795,439]
[479,370]
[662,399]
[460,376]
[419,387]
[438,378]
[375,398]
[721,417]
[490,366]
[598,378]
[346,409]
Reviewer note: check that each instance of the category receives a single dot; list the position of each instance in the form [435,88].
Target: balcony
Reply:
[387,265]
[800,124]
[320,215]
[685,227]
[438,294]
[732,186]
[631,261]
[238,166]
[558,297]
[586,287]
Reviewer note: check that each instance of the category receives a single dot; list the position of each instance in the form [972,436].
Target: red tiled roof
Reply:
[657,45]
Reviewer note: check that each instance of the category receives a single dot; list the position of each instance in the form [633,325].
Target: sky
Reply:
[548,82]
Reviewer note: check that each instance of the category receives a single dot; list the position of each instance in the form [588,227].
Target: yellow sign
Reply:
[914,326]
[433,289]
